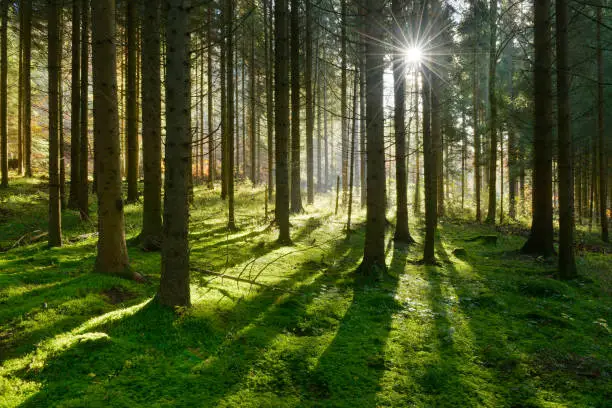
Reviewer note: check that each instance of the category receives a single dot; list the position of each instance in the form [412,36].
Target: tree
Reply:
[174,284]
[151,235]
[493,114]
[309,107]
[374,248]
[281,118]
[229,135]
[26,32]
[112,257]
[55,214]
[75,105]
[84,115]
[603,158]
[132,101]
[296,191]
[540,240]
[343,101]
[567,262]
[402,232]
[3,97]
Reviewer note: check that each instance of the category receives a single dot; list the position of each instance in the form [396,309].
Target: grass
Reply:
[491,329]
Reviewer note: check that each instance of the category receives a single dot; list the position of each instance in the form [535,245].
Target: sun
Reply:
[413,55]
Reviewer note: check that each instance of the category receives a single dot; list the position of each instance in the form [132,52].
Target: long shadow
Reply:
[483,378]
[350,369]
[210,354]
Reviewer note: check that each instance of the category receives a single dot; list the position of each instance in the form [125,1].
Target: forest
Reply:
[305,203]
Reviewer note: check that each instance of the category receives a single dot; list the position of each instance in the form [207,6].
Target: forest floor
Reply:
[491,328]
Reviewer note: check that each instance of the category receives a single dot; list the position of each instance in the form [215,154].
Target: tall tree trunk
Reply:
[20,168]
[296,191]
[132,101]
[151,235]
[174,283]
[55,214]
[112,257]
[603,159]
[281,118]
[253,100]
[269,94]
[84,116]
[229,19]
[4,182]
[27,85]
[60,108]
[325,134]
[402,232]
[417,148]
[475,124]
[493,118]
[75,108]
[343,101]
[362,122]
[541,238]
[567,262]
[212,159]
[352,153]
[309,106]
[374,248]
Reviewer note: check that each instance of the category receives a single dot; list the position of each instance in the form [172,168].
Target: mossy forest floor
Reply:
[491,329]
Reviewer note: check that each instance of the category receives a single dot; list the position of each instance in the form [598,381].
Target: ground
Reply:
[488,327]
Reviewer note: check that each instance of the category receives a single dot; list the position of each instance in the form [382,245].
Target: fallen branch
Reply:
[237,279]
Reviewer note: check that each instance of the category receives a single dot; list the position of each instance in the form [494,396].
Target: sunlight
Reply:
[413,55]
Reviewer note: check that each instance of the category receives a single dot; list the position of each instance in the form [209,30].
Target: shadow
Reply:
[350,369]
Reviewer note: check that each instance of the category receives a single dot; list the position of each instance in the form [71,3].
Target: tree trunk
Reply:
[151,235]
[417,148]
[493,118]
[269,94]
[603,159]
[84,116]
[112,257]
[352,154]
[540,241]
[343,101]
[229,19]
[132,100]
[55,214]
[75,105]
[296,193]
[212,159]
[374,248]
[174,282]
[362,123]
[281,118]
[4,182]
[253,112]
[309,106]
[567,261]
[223,80]
[402,233]
[27,85]
[60,108]
[475,124]
[20,168]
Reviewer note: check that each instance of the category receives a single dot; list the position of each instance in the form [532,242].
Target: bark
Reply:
[309,107]
[26,30]
[352,153]
[253,103]
[55,214]
[343,101]
[402,232]
[475,124]
[281,118]
[603,159]
[540,241]
[212,159]
[3,97]
[132,109]
[174,283]
[362,126]
[84,115]
[417,148]
[75,108]
[229,77]
[112,257]
[374,248]
[223,80]
[20,98]
[269,95]
[567,261]
[493,118]
[151,235]
[296,190]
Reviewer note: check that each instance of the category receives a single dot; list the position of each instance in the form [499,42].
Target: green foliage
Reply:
[490,329]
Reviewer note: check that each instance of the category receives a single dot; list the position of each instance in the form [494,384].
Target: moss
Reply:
[491,329]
